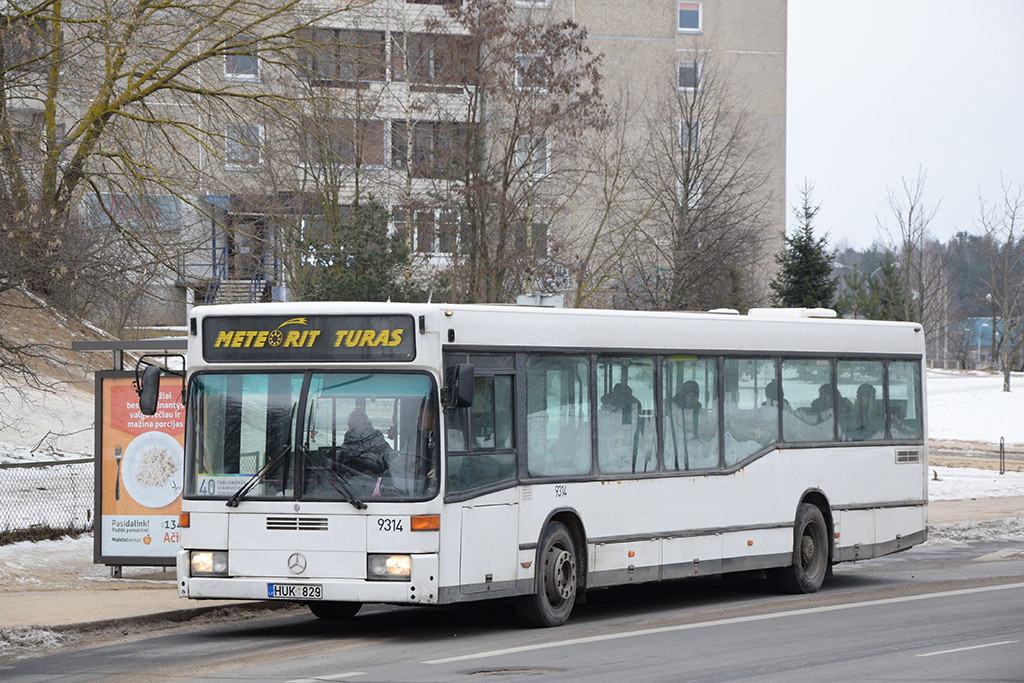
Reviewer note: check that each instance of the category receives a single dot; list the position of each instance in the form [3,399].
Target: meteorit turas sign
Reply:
[326,338]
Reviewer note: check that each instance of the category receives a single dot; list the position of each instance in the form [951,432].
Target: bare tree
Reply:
[109,110]
[1003,253]
[919,256]
[705,175]
[534,92]
[612,207]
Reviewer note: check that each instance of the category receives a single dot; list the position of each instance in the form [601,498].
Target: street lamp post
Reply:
[981,332]
[992,352]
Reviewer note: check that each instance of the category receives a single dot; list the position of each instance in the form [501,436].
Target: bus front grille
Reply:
[296,524]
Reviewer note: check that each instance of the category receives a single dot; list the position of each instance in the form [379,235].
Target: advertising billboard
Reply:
[139,472]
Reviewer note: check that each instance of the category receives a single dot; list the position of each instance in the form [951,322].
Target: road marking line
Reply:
[972,647]
[720,622]
[332,677]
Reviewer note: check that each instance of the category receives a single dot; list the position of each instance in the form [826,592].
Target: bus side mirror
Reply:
[149,389]
[460,386]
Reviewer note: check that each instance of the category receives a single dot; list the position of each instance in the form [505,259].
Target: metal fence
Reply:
[41,499]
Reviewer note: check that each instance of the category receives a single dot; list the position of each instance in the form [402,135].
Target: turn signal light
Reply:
[425,523]
[183,520]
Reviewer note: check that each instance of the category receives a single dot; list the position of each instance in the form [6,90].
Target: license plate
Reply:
[295,591]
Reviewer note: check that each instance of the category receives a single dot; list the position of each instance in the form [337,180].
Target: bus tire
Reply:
[555,580]
[334,611]
[810,554]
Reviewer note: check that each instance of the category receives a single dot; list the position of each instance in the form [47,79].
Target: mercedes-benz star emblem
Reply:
[296,563]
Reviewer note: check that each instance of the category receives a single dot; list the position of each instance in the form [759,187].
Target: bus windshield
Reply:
[363,436]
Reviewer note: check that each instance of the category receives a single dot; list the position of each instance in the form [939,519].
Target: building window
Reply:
[532,155]
[438,148]
[422,58]
[243,146]
[689,193]
[533,241]
[689,76]
[341,141]
[136,212]
[689,17]
[23,43]
[242,64]
[341,57]
[689,135]
[434,231]
[531,71]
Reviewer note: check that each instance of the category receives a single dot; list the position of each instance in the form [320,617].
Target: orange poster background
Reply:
[122,422]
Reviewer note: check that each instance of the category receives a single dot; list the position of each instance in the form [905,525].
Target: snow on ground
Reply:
[961,483]
[29,565]
[972,406]
[958,533]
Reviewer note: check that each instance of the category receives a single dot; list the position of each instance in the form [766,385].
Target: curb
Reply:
[173,616]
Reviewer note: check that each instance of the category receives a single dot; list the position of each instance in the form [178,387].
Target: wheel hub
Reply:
[561,575]
[807,551]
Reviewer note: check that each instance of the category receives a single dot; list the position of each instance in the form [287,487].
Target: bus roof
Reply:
[513,326]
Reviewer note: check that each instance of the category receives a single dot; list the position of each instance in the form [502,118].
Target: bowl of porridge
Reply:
[151,471]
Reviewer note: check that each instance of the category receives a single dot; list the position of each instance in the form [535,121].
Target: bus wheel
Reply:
[334,611]
[555,582]
[810,554]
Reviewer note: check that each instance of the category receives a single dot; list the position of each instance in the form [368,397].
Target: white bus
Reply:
[347,453]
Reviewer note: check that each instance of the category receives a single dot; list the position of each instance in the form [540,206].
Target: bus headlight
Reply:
[209,563]
[388,567]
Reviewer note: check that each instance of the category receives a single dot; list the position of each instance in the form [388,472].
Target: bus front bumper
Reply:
[421,588]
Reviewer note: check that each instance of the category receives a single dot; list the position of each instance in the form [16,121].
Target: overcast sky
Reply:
[879,89]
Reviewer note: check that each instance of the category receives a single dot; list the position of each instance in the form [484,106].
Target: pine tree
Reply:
[357,260]
[805,263]
[879,295]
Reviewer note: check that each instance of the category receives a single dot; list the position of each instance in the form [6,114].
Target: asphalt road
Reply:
[929,614]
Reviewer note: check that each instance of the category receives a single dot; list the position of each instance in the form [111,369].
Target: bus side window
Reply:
[626,433]
[861,400]
[807,386]
[558,433]
[751,404]
[904,400]
[690,404]
[489,457]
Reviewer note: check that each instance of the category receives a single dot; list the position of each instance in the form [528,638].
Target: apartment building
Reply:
[390,92]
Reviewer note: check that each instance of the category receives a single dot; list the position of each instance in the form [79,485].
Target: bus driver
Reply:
[364,448]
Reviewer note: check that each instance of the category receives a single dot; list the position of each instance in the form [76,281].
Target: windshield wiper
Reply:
[249,485]
[337,482]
